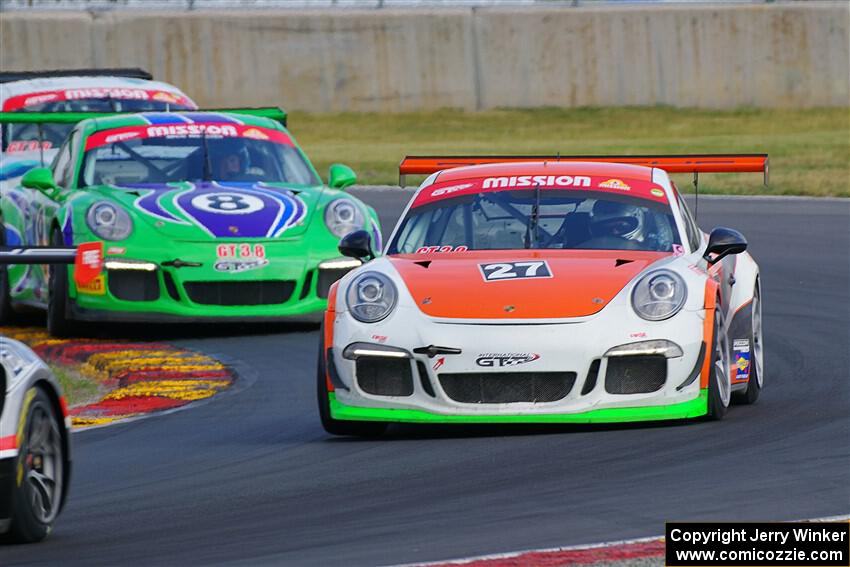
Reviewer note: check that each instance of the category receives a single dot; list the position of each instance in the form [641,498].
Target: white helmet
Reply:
[610,218]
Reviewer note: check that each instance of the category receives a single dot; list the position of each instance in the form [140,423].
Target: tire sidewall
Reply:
[57,300]
[26,528]
[716,408]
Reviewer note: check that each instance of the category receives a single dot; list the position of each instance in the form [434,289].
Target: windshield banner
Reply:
[23,101]
[632,187]
[183,130]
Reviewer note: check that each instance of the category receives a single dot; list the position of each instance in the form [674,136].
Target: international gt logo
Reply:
[499,271]
[489,360]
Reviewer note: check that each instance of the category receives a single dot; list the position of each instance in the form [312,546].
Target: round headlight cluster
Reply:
[109,221]
[343,216]
[371,297]
[659,295]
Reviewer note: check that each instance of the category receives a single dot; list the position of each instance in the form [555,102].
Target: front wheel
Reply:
[58,324]
[719,383]
[339,426]
[39,470]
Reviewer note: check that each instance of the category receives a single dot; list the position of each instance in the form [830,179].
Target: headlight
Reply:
[108,221]
[343,216]
[659,295]
[371,297]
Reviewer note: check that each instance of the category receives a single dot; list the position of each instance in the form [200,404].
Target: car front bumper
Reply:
[183,284]
[582,350]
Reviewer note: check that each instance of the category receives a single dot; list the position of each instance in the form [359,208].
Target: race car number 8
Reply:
[515,270]
[227,203]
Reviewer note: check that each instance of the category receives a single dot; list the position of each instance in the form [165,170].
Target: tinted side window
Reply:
[62,163]
[694,236]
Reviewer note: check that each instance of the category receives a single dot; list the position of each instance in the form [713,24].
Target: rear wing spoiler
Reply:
[272,112]
[124,72]
[696,163]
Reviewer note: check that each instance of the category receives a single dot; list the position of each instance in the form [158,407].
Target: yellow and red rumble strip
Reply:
[139,377]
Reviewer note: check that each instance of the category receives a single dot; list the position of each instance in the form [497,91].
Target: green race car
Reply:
[203,216]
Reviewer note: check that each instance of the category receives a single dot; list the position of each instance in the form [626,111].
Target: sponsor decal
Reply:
[255,133]
[236,266]
[235,258]
[123,93]
[120,137]
[501,359]
[168,130]
[116,250]
[678,250]
[241,251]
[615,184]
[379,338]
[450,189]
[500,271]
[40,99]
[97,286]
[637,335]
[28,146]
[88,264]
[430,249]
[741,349]
[440,361]
[657,192]
[163,96]
[533,180]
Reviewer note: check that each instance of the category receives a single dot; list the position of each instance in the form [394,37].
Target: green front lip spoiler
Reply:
[693,408]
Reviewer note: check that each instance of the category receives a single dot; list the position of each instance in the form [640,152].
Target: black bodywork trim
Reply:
[78,313]
[695,372]
[332,372]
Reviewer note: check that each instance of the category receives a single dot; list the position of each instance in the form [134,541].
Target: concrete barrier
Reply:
[775,55]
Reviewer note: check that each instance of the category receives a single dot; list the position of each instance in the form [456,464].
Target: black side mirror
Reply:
[724,241]
[357,244]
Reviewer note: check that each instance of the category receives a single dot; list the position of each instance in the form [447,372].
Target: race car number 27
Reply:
[515,270]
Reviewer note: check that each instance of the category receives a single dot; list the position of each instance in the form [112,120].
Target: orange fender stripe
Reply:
[330,315]
[708,329]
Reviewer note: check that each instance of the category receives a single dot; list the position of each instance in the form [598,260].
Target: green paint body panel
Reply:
[693,408]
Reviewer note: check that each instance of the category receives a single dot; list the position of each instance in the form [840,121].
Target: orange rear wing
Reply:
[696,164]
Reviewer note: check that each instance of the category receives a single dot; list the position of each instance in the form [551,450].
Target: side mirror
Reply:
[41,179]
[722,242]
[341,176]
[357,244]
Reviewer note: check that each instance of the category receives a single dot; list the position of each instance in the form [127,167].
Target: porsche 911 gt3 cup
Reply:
[24,145]
[565,290]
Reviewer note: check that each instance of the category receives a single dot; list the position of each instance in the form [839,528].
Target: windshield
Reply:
[193,152]
[548,218]
[22,137]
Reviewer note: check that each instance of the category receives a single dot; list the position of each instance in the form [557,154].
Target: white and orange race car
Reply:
[544,290]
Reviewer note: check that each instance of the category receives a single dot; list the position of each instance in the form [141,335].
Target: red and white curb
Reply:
[622,550]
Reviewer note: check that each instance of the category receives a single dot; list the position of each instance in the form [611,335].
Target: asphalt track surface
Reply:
[250,478]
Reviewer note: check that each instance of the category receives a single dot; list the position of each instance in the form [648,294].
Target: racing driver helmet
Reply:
[610,218]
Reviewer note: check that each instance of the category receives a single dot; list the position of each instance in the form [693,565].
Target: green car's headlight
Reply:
[343,216]
[659,295]
[371,297]
[109,221]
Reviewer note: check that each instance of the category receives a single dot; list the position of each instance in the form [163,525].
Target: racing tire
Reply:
[58,323]
[719,382]
[756,380]
[338,426]
[38,485]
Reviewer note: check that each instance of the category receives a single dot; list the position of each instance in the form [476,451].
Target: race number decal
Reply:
[499,271]
[227,203]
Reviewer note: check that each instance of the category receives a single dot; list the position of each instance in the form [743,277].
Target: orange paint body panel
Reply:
[708,329]
[8,442]
[582,282]
[330,315]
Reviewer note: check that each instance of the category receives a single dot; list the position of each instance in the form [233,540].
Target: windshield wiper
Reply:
[533,221]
